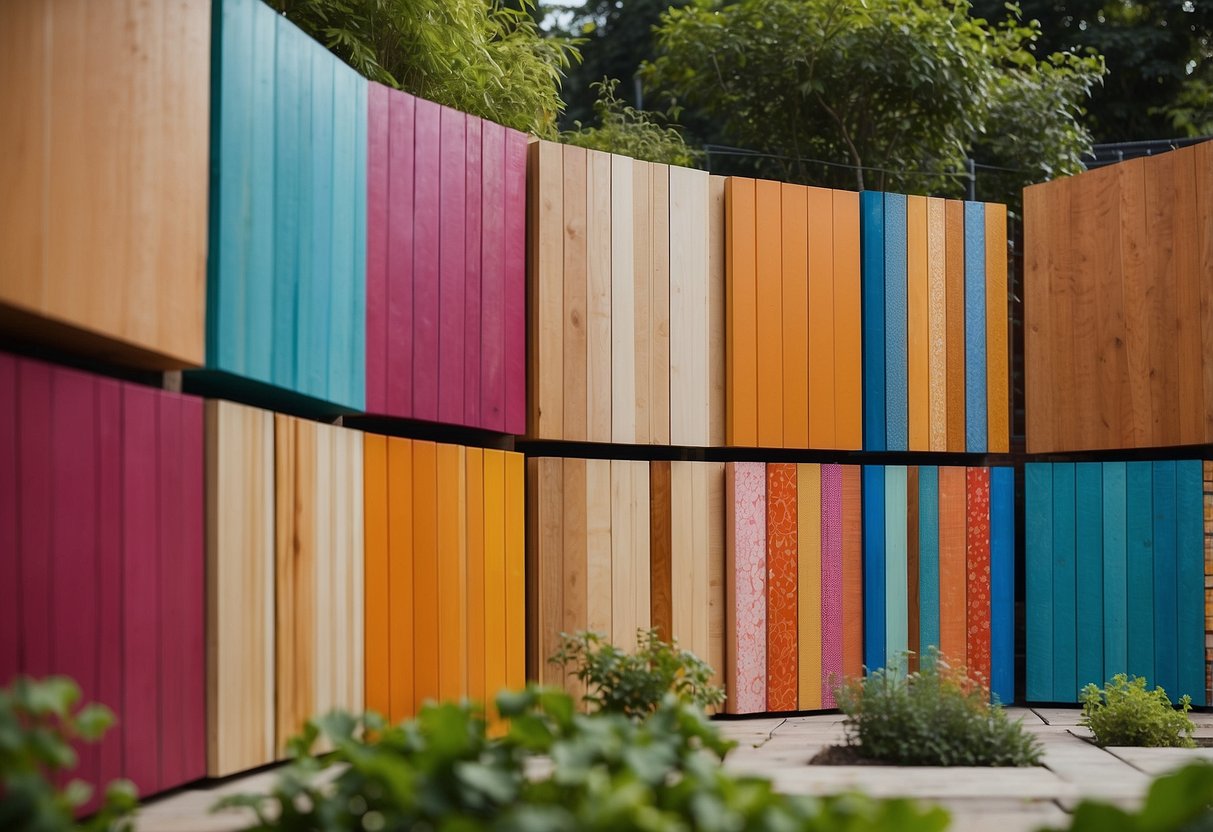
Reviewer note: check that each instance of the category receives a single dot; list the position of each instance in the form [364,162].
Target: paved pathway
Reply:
[1006,800]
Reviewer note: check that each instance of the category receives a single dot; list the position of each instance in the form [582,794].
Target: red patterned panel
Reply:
[977,571]
[782,667]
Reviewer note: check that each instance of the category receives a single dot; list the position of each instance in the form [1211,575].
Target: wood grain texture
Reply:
[623,303]
[953,624]
[477,589]
[498,642]
[1139,500]
[1002,583]
[573,553]
[1114,589]
[401,534]
[452,213]
[954,250]
[741,314]
[686,560]
[425,573]
[492,277]
[547,570]
[545,199]
[782,558]
[1038,364]
[1204,240]
[691,381]
[1038,569]
[452,572]
[809,550]
[975,327]
[896,370]
[377,572]
[515,573]
[937,343]
[514,311]
[643,243]
[918,331]
[998,354]
[745,587]
[598,297]
[573,392]
[716,312]
[1088,525]
[848,318]
[598,545]
[797,378]
[820,371]
[659,306]
[769,299]
[1065,646]
[713,473]
[661,567]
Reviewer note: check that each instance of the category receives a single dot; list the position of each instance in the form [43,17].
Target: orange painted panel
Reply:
[821,319]
[378,597]
[998,355]
[954,279]
[495,629]
[953,641]
[795,316]
[782,670]
[400,545]
[848,347]
[452,574]
[769,283]
[425,572]
[477,589]
[917,291]
[515,571]
[741,315]
[1204,225]
[852,572]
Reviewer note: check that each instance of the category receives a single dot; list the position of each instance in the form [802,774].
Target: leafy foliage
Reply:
[635,684]
[38,722]
[935,717]
[607,771]
[489,59]
[624,129]
[1177,802]
[1126,713]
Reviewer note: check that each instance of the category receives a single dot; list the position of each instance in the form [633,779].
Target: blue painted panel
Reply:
[871,207]
[1166,654]
[1088,526]
[1038,571]
[1002,584]
[896,337]
[928,558]
[1065,625]
[292,70]
[1189,509]
[873,567]
[975,327]
[1139,553]
[1115,597]
[897,618]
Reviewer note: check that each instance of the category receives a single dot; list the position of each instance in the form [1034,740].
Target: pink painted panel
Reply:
[377,133]
[34,478]
[400,264]
[109,572]
[745,602]
[451,265]
[515,282]
[426,223]
[492,277]
[471,284]
[10,592]
[831,582]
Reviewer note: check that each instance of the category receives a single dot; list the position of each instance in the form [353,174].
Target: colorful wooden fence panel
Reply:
[1116,261]
[936,350]
[445,220]
[286,295]
[1115,572]
[102,561]
[792,316]
[118,279]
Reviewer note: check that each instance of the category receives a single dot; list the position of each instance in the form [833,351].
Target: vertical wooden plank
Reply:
[741,313]
[874,633]
[378,121]
[1139,501]
[548,489]
[623,579]
[832,621]
[598,297]
[642,297]
[11,509]
[691,387]
[1038,364]
[937,343]
[1163,279]
[290,156]
[954,286]
[717,362]
[312,360]
[575,591]
[1084,253]
[452,572]
[1114,589]
[1166,575]
[1136,283]
[301,657]
[492,276]
[896,567]
[425,573]
[848,321]
[896,371]
[977,598]
[661,552]
[782,582]
[769,297]
[639,552]
[1002,584]
[953,624]
[853,615]
[401,534]
[1208,584]
[717,575]
[109,564]
[398,339]
[745,587]
[377,573]
[37,503]
[598,545]
[546,198]
[515,282]
[918,331]
[975,327]
[1065,679]
[1038,571]
[998,356]
[346,377]
[573,392]
[871,206]
[1189,548]
[623,303]
[476,588]
[795,321]
[515,572]
[1204,242]
[928,559]
[1186,254]
[426,257]
[1088,528]
[913,636]
[819,372]
[659,305]
[690,519]
[472,259]
[452,211]
[810,545]
[497,646]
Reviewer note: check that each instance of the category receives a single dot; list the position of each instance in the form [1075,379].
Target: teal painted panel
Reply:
[897,619]
[1166,576]
[258,279]
[1115,588]
[1038,572]
[1065,624]
[1139,502]
[1088,527]
[344,329]
[1189,511]
[928,558]
[312,337]
[292,68]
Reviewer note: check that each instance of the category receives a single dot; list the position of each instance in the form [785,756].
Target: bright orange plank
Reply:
[495,636]
[515,571]
[848,348]
[425,572]
[400,547]
[795,317]
[998,357]
[770,315]
[919,335]
[476,602]
[937,338]
[954,236]
[375,574]
[452,574]
[741,315]
[953,530]
[822,365]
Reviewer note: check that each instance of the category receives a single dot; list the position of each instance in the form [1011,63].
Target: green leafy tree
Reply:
[622,128]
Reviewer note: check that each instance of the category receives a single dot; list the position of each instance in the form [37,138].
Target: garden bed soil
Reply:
[842,755]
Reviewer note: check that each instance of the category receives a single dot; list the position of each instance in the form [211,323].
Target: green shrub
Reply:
[634,684]
[623,129]
[935,717]
[607,771]
[1176,802]
[1126,713]
[38,722]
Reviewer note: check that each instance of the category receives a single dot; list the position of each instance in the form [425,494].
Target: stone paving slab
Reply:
[1156,761]
[924,783]
[984,815]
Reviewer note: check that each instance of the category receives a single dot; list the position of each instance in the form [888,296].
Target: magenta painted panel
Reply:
[452,256]
[492,277]
[425,259]
[377,133]
[10,590]
[400,264]
[34,478]
[141,582]
[831,582]
[109,573]
[515,282]
[173,594]
[192,599]
[472,334]
[746,579]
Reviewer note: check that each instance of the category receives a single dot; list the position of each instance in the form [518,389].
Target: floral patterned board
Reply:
[745,587]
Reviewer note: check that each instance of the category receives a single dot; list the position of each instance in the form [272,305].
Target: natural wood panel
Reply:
[547,570]
[1132,230]
[573,552]
[1162,276]
[624,330]
[545,199]
[848,317]
[598,297]
[661,541]
[918,312]
[808,541]
[1186,265]
[819,375]
[714,525]
[794,236]
[769,315]
[659,306]
[998,355]
[1086,255]
[954,249]
[574,393]
[1204,230]
[717,393]
[643,243]
[598,545]
[691,388]
[741,312]
[1038,363]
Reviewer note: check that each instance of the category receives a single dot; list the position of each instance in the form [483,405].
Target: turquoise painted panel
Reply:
[260,274]
[1088,526]
[1002,584]
[928,558]
[312,337]
[1189,511]
[1166,655]
[290,156]
[1038,572]
[1065,625]
[1115,597]
[896,336]
[975,327]
[1139,502]
[897,619]
[871,213]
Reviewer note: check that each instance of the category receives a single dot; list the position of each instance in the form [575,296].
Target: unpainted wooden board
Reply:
[690,316]
[598,545]
[659,305]
[574,390]
[1204,228]
[598,297]
[545,196]
[643,242]
[1038,363]
[661,554]
[1088,255]
[1162,274]
[547,489]
[1188,279]
[1135,281]
[624,330]
[713,480]
[576,591]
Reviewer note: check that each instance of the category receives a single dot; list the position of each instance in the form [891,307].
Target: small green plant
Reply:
[39,721]
[937,716]
[1126,713]
[634,684]
[623,129]
[1176,802]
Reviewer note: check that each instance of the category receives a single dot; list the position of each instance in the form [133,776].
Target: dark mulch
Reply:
[842,755]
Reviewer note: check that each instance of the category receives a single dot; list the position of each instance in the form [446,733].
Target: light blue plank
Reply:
[928,558]
[1139,502]
[312,338]
[339,384]
[1002,584]
[975,327]
[1166,654]
[292,72]
[871,205]
[1038,585]
[897,617]
[1065,624]
[1115,598]
[897,367]
[1189,498]
[1088,526]
[357,362]
[873,567]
